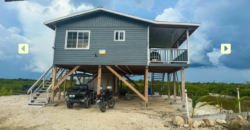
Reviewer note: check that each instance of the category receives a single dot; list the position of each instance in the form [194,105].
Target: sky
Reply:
[224,21]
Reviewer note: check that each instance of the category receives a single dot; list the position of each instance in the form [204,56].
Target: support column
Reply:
[113,86]
[60,87]
[188,46]
[117,87]
[174,86]
[64,89]
[183,87]
[162,82]
[152,82]
[83,80]
[168,85]
[99,80]
[146,86]
[71,81]
[107,84]
[53,83]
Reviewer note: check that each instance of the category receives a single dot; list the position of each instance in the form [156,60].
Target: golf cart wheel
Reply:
[70,105]
[87,103]
[102,106]
[111,103]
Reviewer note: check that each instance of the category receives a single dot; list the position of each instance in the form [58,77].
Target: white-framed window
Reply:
[77,39]
[119,35]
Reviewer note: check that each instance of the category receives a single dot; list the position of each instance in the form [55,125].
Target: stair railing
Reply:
[30,89]
[49,88]
[33,86]
[43,83]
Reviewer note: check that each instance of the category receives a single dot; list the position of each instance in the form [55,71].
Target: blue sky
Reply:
[224,21]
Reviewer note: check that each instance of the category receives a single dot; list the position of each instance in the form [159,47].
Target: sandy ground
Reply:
[126,115]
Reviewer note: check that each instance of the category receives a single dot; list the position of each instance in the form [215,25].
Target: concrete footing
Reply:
[53,104]
[144,103]
[147,108]
[175,102]
[181,109]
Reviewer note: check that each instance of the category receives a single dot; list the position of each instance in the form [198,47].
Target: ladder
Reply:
[157,77]
[40,91]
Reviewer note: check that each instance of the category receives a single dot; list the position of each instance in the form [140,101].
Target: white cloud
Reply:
[32,16]
[170,15]
[9,40]
[14,30]
[214,56]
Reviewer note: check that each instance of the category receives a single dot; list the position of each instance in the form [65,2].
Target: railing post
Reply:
[238,94]
[188,46]
[43,81]
[30,95]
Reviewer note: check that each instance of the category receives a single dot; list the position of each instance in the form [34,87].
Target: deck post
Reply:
[117,86]
[162,82]
[83,80]
[107,84]
[64,88]
[60,87]
[152,82]
[113,86]
[174,86]
[99,79]
[53,82]
[168,85]
[146,86]
[71,81]
[183,87]
[188,46]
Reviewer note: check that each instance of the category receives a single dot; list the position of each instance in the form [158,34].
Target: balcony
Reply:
[168,56]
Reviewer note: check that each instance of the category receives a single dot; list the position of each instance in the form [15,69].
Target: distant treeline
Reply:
[14,86]
[200,89]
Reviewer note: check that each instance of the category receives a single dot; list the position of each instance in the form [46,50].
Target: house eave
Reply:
[51,23]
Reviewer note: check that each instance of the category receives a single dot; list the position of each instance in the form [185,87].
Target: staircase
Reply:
[157,77]
[40,96]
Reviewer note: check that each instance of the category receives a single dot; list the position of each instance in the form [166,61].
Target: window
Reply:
[77,39]
[119,36]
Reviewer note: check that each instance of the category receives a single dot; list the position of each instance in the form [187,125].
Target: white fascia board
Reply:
[122,14]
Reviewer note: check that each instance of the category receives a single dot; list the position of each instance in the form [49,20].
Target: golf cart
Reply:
[81,94]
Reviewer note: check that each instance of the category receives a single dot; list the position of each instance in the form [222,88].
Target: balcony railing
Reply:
[168,55]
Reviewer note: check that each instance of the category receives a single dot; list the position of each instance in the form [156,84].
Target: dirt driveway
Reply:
[126,115]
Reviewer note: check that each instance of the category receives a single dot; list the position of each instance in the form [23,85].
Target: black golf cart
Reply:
[81,94]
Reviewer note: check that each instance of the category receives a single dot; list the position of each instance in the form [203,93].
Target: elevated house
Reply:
[111,46]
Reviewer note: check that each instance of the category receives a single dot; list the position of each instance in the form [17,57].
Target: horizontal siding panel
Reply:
[132,51]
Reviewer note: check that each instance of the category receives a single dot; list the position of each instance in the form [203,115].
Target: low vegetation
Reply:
[15,86]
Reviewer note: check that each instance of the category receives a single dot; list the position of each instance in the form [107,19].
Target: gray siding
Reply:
[132,51]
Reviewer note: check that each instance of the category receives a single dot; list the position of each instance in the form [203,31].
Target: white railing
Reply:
[44,80]
[30,89]
[168,55]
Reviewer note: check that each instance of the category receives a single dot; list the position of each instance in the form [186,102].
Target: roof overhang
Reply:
[51,24]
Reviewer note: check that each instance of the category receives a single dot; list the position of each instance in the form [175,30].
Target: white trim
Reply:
[188,46]
[119,31]
[66,36]
[122,14]
[148,52]
[54,47]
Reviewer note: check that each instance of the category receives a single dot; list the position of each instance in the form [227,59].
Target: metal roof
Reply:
[52,23]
